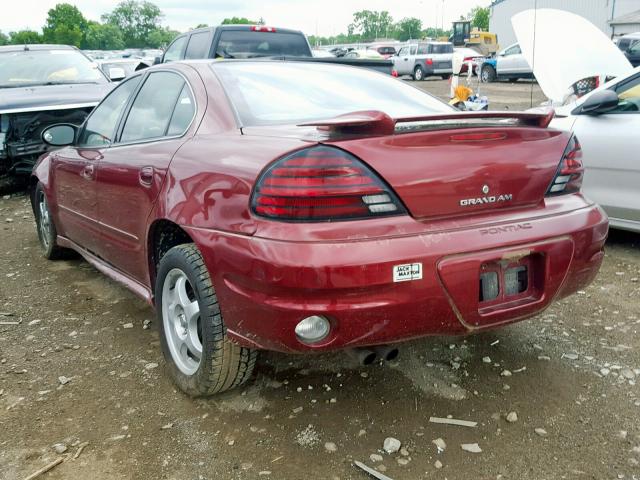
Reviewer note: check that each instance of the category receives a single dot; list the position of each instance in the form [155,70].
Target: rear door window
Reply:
[182,113]
[151,113]
[413,50]
[422,49]
[174,52]
[198,46]
[250,44]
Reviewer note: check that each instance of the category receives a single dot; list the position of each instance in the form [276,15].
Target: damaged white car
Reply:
[596,94]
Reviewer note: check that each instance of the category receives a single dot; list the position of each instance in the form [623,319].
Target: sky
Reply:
[325,17]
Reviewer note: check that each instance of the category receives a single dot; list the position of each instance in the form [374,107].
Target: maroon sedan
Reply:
[257,211]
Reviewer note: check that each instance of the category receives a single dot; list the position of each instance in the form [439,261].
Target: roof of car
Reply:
[240,27]
[27,47]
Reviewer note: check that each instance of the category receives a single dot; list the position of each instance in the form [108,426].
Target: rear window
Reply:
[386,50]
[272,93]
[249,44]
[448,48]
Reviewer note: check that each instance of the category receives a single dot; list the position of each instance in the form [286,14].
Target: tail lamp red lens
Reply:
[322,184]
[429,61]
[568,178]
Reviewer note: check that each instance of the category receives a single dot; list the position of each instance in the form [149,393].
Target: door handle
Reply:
[145,176]
[87,172]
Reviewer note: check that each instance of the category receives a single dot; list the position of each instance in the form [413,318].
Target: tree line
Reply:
[137,24]
[369,25]
[132,24]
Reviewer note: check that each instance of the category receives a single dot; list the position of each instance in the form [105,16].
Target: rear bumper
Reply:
[265,287]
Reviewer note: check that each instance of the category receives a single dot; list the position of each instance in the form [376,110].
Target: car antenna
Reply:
[535,15]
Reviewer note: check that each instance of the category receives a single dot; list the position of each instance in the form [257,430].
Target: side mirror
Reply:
[60,135]
[157,60]
[600,102]
[116,74]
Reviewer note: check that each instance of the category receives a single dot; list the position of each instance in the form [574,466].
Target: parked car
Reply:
[508,64]
[606,119]
[470,56]
[308,220]
[632,52]
[424,59]
[363,53]
[387,51]
[319,53]
[41,85]
[627,41]
[256,41]
[119,68]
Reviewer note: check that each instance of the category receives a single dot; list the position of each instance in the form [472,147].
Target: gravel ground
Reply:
[78,367]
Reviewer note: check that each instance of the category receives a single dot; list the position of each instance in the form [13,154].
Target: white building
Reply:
[604,14]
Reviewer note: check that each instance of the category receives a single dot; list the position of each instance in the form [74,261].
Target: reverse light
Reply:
[322,184]
[568,178]
[312,329]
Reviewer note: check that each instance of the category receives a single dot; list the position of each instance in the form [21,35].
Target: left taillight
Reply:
[322,184]
[568,178]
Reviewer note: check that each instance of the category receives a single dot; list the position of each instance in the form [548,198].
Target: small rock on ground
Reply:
[330,447]
[391,445]
[471,447]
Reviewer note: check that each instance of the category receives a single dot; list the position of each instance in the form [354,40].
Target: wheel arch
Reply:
[163,234]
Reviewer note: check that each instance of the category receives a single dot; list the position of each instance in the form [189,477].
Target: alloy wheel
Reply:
[181,321]
[44,220]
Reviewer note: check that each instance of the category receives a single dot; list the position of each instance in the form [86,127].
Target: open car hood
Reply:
[563,48]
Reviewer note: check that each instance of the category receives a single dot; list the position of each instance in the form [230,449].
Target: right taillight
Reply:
[322,184]
[568,178]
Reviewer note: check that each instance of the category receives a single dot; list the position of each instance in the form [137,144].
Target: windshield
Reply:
[47,67]
[249,44]
[273,93]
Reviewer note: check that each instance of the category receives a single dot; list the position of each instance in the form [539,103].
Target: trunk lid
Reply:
[447,164]
[460,171]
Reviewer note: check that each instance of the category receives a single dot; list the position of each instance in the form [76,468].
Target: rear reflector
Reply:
[322,184]
[568,178]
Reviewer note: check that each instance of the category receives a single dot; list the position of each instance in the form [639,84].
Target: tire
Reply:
[189,319]
[513,80]
[47,233]
[446,77]
[488,74]
[418,74]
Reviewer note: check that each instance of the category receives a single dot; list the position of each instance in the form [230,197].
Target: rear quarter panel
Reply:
[210,180]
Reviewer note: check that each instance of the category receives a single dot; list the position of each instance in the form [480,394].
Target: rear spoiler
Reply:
[374,122]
